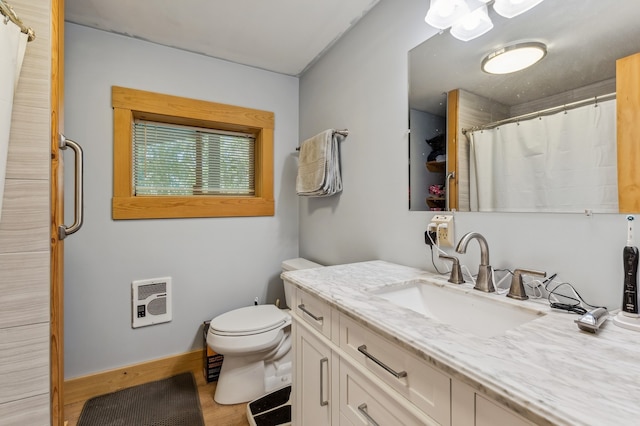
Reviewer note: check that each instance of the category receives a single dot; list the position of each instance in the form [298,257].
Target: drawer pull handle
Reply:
[323,402]
[363,409]
[306,311]
[363,349]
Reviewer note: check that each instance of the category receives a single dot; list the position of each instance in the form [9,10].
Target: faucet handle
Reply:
[517,291]
[456,272]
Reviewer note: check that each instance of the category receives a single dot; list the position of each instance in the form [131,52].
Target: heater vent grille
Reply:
[150,301]
[157,306]
[147,290]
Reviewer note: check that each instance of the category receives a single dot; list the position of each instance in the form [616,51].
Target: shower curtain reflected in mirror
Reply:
[565,162]
[12,47]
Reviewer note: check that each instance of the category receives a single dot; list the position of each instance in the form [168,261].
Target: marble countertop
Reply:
[547,369]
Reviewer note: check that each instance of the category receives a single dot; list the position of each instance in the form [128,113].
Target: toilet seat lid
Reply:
[249,320]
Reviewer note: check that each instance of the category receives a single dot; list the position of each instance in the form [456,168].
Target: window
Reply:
[178,158]
[170,159]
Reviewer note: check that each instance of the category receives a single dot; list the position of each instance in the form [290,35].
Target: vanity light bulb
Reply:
[513,8]
[445,8]
[443,13]
[470,21]
[473,25]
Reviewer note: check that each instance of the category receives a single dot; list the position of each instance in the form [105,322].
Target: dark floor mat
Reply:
[168,402]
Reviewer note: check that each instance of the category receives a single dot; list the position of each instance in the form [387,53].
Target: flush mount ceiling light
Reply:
[444,13]
[511,8]
[514,58]
[472,25]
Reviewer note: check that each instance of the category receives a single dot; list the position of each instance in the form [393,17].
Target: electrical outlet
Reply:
[444,229]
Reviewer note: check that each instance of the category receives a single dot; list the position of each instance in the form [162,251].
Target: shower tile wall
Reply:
[24,235]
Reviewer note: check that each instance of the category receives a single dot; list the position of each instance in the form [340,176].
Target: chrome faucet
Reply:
[456,272]
[517,291]
[484,281]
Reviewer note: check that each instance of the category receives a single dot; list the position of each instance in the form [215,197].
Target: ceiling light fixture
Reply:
[472,25]
[512,8]
[469,19]
[444,13]
[514,58]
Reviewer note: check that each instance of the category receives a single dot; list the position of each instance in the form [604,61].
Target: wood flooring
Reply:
[213,413]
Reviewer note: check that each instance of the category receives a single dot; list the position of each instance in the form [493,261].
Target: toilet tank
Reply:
[294,265]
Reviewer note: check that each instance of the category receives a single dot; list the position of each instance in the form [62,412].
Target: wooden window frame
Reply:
[131,104]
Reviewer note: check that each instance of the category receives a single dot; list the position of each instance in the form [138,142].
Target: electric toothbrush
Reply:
[630,261]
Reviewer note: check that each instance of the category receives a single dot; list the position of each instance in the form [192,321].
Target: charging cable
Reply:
[496,285]
[437,231]
[464,269]
[432,227]
[556,303]
[536,287]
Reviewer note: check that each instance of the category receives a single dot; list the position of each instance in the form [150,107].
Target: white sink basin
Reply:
[465,309]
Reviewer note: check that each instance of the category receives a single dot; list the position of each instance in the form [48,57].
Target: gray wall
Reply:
[361,84]
[216,264]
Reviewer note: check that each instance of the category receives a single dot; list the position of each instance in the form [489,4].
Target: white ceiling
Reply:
[284,36]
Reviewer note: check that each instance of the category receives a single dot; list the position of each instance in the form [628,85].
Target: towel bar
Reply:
[344,133]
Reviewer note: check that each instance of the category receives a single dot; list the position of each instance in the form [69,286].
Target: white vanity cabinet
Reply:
[471,408]
[313,384]
[347,374]
[363,401]
[314,375]
[314,312]
[424,386]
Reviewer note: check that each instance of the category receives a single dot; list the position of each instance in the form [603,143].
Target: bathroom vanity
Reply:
[365,353]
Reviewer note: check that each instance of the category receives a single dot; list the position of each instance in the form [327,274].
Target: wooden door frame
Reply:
[56,343]
[452,148]
[627,127]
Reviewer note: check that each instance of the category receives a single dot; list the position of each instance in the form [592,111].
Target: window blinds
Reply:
[176,160]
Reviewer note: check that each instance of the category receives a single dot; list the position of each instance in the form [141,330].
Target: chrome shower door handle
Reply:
[447,186]
[63,230]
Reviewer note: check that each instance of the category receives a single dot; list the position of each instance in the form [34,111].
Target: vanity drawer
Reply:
[314,312]
[362,402]
[416,380]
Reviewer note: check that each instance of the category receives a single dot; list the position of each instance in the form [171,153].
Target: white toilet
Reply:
[256,344]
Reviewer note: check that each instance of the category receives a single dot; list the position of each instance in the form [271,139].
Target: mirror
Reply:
[584,38]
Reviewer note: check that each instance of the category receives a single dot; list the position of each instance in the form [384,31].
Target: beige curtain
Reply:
[12,47]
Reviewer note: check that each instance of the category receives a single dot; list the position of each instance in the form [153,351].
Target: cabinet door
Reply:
[488,413]
[312,381]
